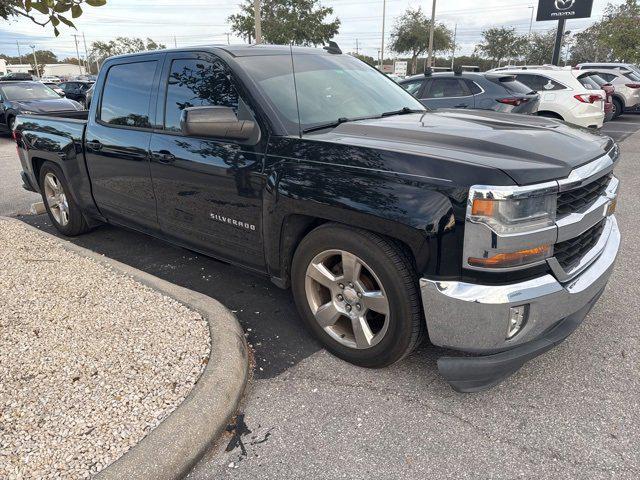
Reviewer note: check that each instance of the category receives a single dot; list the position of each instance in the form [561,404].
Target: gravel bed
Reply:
[90,360]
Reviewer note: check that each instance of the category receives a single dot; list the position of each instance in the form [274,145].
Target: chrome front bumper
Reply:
[474,318]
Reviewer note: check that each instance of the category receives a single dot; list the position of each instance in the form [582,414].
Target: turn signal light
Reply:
[513,259]
[482,207]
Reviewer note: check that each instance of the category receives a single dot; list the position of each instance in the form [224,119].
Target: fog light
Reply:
[517,319]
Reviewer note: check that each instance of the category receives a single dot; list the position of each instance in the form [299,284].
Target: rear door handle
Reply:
[93,145]
[163,156]
[461,105]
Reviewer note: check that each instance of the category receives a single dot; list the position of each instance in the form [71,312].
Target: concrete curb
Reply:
[170,451]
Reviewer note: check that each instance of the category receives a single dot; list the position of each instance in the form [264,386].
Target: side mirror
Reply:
[62,94]
[219,122]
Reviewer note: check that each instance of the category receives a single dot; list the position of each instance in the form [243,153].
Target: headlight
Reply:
[509,227]
[511,215]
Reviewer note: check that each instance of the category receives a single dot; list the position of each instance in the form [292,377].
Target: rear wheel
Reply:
[358,293]
[617,107]
[64,212]
[11,122]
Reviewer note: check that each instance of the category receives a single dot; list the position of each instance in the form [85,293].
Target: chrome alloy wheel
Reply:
[56,199]
[347,299]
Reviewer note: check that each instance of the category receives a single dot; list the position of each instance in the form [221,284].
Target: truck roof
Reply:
[236,50]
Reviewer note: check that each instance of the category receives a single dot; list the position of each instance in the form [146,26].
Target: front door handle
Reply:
[164,156]
[93,145]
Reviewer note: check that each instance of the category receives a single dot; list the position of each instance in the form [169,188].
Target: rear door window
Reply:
[447,88]
[473,87]
[609,77]
[127,94]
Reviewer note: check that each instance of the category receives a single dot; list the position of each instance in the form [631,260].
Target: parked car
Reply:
[76,90]
[609,66]
[55,87]
[17,76]
[50,79]
[627,84]
[563,97]
[493,233]
[591,79]
[30,97]
[498,92]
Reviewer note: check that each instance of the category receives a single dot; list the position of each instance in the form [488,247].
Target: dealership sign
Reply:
[563,9]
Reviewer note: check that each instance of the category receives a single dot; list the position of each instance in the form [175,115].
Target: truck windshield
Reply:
[28,91]
[330,88]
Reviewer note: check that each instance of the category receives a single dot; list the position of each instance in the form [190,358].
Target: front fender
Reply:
[413,212]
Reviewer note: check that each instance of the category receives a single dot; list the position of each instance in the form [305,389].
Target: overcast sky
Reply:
[198,22]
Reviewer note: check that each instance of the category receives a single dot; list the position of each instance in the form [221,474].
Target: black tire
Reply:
[406,325]
[76,225]
[618,107]
[11,121]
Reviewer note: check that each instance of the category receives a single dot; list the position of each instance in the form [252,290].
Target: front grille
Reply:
[569,252]
[575,200]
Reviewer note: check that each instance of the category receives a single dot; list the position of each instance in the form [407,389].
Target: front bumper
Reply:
[474,318]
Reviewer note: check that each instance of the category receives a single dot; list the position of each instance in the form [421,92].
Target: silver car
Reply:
[627,84]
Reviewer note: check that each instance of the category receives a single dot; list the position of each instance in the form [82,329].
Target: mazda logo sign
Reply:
[564,4]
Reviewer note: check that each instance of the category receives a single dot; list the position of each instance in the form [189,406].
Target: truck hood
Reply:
[46,106]
[529,149]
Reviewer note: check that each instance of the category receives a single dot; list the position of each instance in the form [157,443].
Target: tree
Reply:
[620,31]
[588,47]
[410,34]
[120,46]
[501,43]
[365,58]
[44,56]
[298,22]
[46,12]
[539,47]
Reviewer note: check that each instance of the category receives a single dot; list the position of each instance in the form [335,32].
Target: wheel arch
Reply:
[550,114]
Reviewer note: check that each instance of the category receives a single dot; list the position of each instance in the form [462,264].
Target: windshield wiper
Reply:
[333,124]
[402,111]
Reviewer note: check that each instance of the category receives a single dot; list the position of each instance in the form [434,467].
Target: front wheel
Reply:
[63,211]
[358,293]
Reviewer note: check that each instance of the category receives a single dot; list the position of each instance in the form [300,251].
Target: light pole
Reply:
[566,47]
[526,60]
[257,20]
[533,9]
[431,29]
[453,51]
[35,60]
[384,14]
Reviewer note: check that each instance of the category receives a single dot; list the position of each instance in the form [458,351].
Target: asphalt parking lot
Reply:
[572,413]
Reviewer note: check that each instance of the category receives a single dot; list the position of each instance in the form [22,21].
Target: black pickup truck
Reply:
[491,233]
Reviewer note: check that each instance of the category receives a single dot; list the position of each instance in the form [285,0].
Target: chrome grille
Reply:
[569,252]
[575,200]
[581,197]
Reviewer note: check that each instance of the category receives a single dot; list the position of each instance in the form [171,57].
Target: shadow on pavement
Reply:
[266,313]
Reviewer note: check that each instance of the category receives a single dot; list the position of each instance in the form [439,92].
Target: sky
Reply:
[200,22]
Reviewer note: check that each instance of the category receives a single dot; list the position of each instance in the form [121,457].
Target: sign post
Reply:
[561,10]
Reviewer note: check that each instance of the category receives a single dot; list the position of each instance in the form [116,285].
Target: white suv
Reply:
[563,97]
[609,66]
[627,84]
